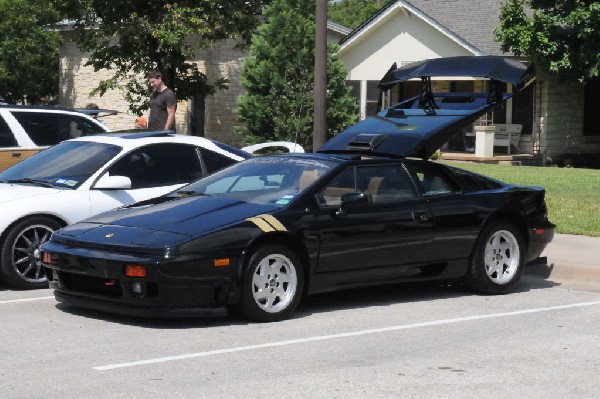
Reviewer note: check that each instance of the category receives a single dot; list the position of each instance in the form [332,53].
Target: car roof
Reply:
[131,139]
[48,108]
[101,111]
[419,126]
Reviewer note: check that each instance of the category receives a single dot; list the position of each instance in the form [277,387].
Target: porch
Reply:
[503,159]
[491,143]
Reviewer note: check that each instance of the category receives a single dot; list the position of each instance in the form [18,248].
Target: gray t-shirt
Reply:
[158,108]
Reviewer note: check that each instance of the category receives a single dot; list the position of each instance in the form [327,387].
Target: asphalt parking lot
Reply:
[396,341]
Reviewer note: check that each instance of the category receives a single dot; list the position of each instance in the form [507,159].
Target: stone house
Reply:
[218,121]
[557,117]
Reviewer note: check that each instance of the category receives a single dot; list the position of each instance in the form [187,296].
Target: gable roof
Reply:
[469,23]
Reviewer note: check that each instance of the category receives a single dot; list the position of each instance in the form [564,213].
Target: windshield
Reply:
[263,180]
[67,164]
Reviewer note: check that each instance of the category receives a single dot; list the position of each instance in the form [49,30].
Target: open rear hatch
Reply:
[419,126]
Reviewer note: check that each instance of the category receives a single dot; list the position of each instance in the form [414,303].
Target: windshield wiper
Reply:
[189,193]
[43,183]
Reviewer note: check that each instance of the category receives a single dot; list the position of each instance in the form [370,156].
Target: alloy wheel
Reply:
[26,253]
[502,256]
[274,283]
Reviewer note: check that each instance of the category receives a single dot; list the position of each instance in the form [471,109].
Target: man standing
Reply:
[162,104]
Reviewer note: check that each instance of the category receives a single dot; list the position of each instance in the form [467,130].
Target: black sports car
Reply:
[260,234]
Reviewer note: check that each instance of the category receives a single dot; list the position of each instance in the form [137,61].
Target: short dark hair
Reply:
[156,74]
[92,106]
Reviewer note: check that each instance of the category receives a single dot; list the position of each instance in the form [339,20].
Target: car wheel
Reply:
[272,284]
[497,261]
[21,263]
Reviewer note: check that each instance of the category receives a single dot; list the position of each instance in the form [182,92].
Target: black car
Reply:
[259,235]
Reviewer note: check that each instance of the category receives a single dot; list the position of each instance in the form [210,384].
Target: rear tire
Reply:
[272,284]
[20,260]
[497,261]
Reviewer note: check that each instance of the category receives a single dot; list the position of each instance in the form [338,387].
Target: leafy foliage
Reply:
[279,78]
[132,38]
[561,35]
[28,52]
[351,13]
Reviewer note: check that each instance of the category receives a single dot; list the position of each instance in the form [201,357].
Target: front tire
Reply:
[272,284]
[497,261]
[20,261]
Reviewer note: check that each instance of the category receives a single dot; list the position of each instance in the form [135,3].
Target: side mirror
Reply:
[107,182]
[353,200]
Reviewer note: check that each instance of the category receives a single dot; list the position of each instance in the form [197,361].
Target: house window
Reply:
[372,97]
[522,109]
[462,86]
[591,108]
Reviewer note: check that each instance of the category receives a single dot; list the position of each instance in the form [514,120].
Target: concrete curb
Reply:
[573,260]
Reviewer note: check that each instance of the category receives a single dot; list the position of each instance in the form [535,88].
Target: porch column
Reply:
[363,99]
[509,104]
[484,141]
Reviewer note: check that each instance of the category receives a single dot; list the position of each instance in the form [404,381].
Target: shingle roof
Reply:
[473,20]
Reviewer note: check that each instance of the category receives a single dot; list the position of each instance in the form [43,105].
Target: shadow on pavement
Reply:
[323,303]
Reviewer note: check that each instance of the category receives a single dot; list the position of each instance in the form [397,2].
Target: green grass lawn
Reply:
[572,195]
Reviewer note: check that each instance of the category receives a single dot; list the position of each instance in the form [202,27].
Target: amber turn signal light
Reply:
[135,271]
[222,262]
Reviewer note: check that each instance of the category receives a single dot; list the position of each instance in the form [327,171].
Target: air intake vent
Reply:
[366,142]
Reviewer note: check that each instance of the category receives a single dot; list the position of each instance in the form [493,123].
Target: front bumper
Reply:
[168,288]
[149,299]
[137,310]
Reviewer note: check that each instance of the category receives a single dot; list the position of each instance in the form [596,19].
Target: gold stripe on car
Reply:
[273,222]
[261,224]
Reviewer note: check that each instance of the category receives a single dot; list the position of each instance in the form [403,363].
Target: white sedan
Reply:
[82,177]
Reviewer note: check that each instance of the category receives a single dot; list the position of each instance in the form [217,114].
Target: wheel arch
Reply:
[276,238]
[507,216]
[8,228]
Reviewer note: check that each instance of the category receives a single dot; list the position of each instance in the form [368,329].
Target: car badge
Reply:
[109,235]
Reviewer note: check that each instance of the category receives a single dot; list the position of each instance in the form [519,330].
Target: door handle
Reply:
[420,217]
[15,155]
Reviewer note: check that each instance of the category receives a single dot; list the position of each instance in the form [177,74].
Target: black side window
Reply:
[7,139]
[345,182]
[472,182]
[49,128]
[214,161]
[432,179]
[385,183]
[158,165]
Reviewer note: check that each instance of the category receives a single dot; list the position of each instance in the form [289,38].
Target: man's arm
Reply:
[170,118]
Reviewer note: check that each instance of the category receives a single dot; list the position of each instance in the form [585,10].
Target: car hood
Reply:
[13,192]
[419,126]
[164,223]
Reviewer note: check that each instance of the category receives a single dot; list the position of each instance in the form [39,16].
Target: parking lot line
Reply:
[40,298]
[343,335]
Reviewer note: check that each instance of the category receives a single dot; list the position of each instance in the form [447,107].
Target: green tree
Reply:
[279,78]
[351,13]
[130,38]
[561,35]
[29,52]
